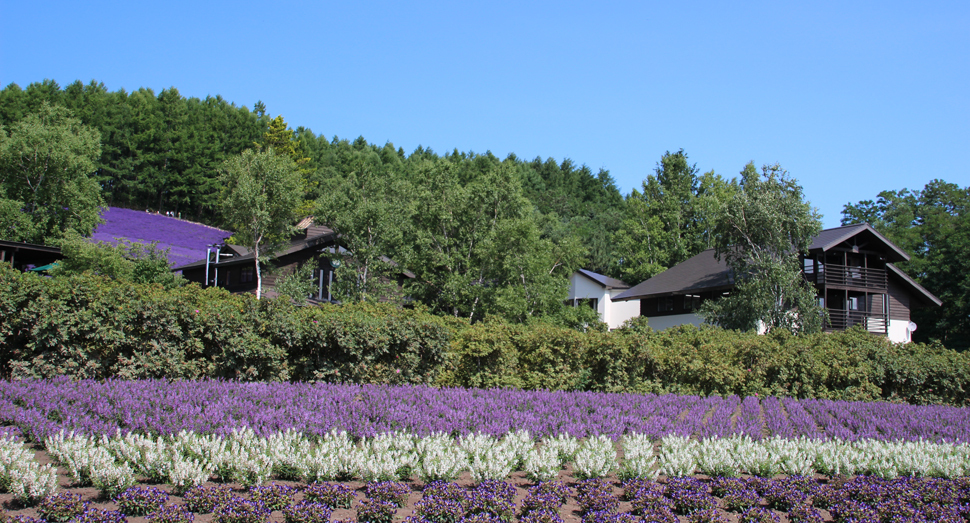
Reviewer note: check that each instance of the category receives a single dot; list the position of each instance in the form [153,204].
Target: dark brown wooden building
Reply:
[852,268]
[25,256]
[233,267]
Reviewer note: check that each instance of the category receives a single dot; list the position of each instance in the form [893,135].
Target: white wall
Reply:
[613,314]
[899,331]
[660,323]
[620,311]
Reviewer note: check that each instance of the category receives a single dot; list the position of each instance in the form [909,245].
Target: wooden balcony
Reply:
[840,276]
[840,320]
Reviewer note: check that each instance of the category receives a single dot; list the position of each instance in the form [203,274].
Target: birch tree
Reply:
[262,195]
[761,231]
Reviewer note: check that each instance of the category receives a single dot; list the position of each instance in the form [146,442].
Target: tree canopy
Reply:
[46,186]
[760,233]
[672,219]
[933,225]
[261,199]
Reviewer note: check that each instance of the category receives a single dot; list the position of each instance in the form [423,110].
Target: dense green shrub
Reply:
[86,326]
[851,365]
[529,356]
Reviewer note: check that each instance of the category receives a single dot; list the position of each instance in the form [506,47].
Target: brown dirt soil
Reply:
[569,512]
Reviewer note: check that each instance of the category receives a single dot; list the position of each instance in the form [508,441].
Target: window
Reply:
[692,302]
[246,275]
[665,304]
[592,303]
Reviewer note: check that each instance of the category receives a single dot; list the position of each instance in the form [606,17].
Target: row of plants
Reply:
[40,409]
[21,475]
[753,500]
[188,460]
[90,327]
[916,493]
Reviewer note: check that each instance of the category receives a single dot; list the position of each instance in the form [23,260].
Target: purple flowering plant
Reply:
[275,496]
[140,501]
[375,511]
[171,514]
[60,507]
[395,492]
[334,495]
[307,511]
[205,499]
[238,510]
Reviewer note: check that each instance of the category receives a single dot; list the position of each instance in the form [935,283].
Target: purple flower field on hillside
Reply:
[186,241]
[41,408]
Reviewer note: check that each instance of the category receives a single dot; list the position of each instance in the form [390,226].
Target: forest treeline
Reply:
[484,236]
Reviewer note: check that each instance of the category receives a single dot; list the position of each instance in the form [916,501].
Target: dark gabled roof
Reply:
[243,255]
[604,281]
[919,292]
[6,244]
[830,238]
[392,263]
[703,272]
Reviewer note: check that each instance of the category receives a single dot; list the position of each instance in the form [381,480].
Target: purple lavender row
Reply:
[42,408]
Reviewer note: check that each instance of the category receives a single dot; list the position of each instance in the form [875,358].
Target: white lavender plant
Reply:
[564,444]
[595,458]
[677,457]
[439,459]
[542,464]
[639,460]
[495,463]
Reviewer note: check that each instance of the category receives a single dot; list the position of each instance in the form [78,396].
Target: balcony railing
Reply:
[840,320]
[841,275]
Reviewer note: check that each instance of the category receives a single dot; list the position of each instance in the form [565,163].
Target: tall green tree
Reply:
[46,168]
[933,225]
[672,218]
[478,246]
[261,198]
[761,232]
[369,209]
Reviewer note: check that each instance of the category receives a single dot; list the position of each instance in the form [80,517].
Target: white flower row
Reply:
[804,457]
[188,459]
[21,475]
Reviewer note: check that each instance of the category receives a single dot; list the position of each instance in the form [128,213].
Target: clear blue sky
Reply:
[851,97]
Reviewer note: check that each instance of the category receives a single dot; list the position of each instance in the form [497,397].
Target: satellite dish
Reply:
[911,327]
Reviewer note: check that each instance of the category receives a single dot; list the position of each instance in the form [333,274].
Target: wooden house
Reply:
[26,256]
[233,267]
[852,268]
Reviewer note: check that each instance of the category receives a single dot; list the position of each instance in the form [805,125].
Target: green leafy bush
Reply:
[86,326]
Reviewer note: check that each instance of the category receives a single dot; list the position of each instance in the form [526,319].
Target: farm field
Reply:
[186,241]
[474,455]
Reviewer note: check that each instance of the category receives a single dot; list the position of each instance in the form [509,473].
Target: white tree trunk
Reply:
[259,275]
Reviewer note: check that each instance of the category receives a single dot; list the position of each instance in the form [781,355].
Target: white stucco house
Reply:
[587,288]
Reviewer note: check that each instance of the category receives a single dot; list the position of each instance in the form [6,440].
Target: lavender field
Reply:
[40,409]
[392,449]
[186,241]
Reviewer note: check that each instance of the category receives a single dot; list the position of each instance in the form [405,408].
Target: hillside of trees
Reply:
[485,236]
